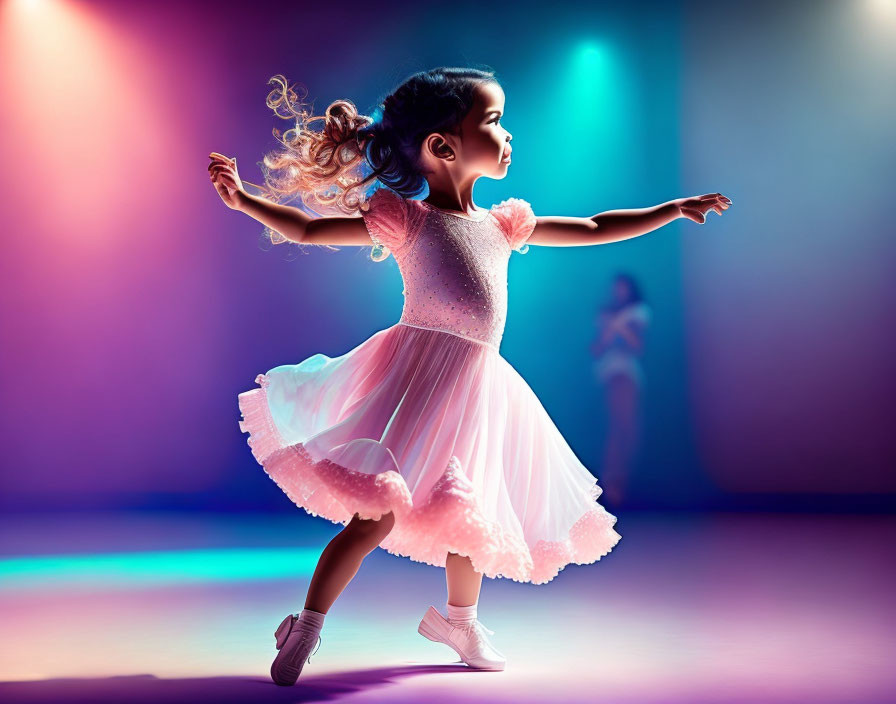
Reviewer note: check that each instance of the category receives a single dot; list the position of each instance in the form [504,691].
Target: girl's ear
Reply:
[436,145]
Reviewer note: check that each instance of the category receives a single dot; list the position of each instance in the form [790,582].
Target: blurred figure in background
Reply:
[621,324]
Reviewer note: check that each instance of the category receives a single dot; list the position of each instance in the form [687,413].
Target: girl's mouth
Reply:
[506,159]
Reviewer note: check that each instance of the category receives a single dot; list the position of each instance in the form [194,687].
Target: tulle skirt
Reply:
[442,431]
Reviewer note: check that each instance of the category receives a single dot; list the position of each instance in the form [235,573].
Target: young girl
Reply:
[622,325]
[423,439]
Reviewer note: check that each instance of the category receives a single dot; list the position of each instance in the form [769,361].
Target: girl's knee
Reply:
[385,523]
[373,527]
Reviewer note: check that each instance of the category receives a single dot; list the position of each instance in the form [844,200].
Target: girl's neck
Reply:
[453,197]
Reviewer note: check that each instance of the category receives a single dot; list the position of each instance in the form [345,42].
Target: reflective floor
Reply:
[687,608]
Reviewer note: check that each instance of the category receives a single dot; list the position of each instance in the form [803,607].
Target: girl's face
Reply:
[484,145]
[621,291]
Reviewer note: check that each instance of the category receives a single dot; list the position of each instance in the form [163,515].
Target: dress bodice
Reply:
[454,267]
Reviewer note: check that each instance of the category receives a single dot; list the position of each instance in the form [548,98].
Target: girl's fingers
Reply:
[220,159]
[715,203]
[228,181]
[698,207]
[714,196]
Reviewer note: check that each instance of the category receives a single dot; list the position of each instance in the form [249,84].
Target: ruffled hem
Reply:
[449,520]
[322,488]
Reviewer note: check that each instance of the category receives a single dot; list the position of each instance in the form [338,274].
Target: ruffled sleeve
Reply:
[386,220]
[517,221]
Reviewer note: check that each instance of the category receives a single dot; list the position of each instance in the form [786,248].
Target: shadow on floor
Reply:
[220,690]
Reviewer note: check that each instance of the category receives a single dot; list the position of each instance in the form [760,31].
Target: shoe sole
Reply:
[284,675]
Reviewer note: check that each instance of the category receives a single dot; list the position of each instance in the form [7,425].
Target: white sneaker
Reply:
[469,640]
[294,641]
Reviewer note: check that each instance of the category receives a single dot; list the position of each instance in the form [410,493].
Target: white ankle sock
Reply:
[461,614]
[312,619]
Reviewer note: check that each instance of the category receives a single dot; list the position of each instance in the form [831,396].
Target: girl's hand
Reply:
[224,176]
[696,208]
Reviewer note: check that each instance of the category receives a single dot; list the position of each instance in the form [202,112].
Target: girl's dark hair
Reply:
[634,289]
[327,168]
[427,102]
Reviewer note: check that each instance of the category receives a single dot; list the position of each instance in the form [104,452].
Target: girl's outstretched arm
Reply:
[616,225]
[294,224]
[629,334]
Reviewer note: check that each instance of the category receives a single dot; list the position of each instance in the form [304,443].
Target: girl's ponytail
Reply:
[326,168]
[323,167]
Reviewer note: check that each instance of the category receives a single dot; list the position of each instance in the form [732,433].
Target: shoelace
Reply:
[295,626]
[320,640]
[476,623]
[479,625]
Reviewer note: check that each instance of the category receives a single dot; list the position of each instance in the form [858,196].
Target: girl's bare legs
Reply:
[342,558]
[464,582]
[622,434]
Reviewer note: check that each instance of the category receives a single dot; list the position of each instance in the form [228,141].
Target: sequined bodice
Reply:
[454,267]
[455,275]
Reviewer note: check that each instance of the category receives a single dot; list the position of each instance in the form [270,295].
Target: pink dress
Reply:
[426,419]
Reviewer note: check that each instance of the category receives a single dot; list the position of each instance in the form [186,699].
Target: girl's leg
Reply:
[342,558]
[627,408]
[622,397]
[464,582]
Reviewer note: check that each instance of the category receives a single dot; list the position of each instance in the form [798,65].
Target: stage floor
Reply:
[686,609]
